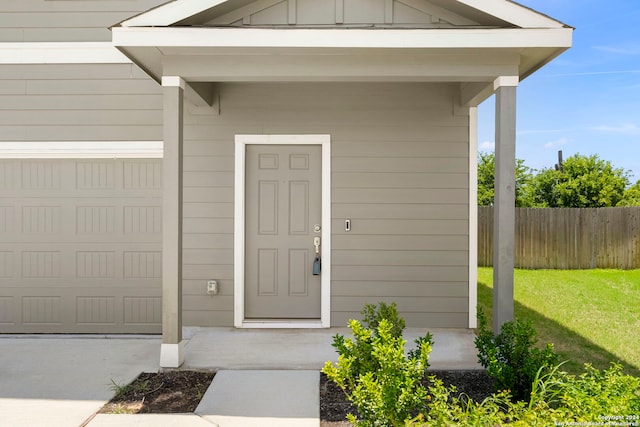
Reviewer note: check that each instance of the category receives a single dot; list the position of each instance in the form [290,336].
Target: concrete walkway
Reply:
[263,398]
[265,377]
[62,381]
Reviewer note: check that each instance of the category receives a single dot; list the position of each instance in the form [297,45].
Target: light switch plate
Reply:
[212,287]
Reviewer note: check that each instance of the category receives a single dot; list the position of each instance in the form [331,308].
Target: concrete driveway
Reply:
[63,381]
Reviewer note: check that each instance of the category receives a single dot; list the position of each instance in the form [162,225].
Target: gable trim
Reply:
[170,13]
[514,13]
[506,10]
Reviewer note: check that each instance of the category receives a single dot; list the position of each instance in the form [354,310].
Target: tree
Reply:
[580,182]
[631,196]
[486,181]
[486,170]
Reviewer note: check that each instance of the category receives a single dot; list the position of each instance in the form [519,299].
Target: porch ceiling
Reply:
[250,54]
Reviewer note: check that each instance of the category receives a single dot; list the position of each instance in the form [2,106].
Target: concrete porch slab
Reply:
[307,349]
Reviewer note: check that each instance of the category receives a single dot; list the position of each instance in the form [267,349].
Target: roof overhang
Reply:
[167,41]
[251,54]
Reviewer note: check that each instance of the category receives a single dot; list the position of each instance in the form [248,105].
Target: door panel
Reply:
[283,203]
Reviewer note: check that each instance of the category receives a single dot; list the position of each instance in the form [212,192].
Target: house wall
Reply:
[64,20]
[58,272]
[80,239]
[400,173]
[78,102]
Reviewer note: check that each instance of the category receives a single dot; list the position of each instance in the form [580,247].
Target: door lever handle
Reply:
[316,262]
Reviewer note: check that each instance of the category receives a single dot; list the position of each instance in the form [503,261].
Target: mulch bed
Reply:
[334,407]
[161,393]
[181,392]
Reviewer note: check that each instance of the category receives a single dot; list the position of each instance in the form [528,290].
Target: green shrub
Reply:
[388,388]
[588,398]
[596,397]
[448,408]
[510,357]
[383,384]
[373,314]
[360,351]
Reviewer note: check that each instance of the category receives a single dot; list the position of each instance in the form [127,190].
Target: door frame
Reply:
[241,141]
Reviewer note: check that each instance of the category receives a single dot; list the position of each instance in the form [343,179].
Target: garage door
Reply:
[80,245]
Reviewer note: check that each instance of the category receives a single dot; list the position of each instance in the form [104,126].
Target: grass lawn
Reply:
[589,315]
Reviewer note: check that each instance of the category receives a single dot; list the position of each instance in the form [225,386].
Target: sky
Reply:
[587,100]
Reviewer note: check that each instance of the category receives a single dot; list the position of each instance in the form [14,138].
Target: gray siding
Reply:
[400,173]
[81,246]
[64,20]
[115,102]
[403,13]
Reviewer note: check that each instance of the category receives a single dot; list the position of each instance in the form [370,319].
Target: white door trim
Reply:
[241,141]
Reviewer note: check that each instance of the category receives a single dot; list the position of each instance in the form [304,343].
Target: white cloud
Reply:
[597,73]
[629,49]
[626,129]
[538,131]
[487,146]
[556,143]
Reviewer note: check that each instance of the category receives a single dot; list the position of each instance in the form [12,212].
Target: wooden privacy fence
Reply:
[568,238]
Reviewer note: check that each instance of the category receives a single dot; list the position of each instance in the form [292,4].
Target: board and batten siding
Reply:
[79,102]
[400,174]
[81,245]
[65,20]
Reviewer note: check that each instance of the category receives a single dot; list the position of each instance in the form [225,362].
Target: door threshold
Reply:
[283,324]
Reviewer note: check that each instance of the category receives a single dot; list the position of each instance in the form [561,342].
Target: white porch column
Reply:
[172,349]
[473,217]
[504,202]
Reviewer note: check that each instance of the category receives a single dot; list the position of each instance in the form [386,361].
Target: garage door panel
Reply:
[7,264]
[6,310]
[46,220]
[81,246]
[87,310]
[54,177]
[68,239]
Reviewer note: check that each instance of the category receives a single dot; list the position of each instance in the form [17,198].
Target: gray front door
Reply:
[282,208]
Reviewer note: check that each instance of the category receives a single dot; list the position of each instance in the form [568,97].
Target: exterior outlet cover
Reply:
[212,287]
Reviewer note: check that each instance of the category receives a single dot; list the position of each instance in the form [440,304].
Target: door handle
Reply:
[316,262]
